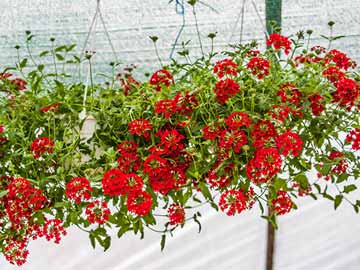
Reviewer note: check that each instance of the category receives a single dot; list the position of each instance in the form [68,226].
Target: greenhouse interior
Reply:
[179,134]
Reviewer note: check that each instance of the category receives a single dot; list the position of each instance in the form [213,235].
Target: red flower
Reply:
[266,164]
[232,202]
[263,131]
[140,127]
[218,181]
[133,182]
[20,84]
[318,49]
[171,140]
[316,106]
[23,200]
[354,138]
[259,67]
[53,229]
[78,189]
[253,53]
[289,93]
[282,204]
[129,162]
[342,164]
[163,182]
[154,165]
[225,67]
[139,203]
[127,147]
[279,42]
[52,107]
[211,132]
[176,214]
[113,183]
[280,113]
[339,59]
[166,107]
[40,146]
[16,252]
[97,212]
[185,104]
[161,78]
[347,92]
[333,74]
[232,139]
[226,89]
[289,143]
[237,120]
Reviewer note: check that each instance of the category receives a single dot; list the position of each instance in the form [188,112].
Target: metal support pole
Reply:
[273,14]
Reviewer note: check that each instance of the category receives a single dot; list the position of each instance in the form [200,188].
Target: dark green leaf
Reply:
[337,201]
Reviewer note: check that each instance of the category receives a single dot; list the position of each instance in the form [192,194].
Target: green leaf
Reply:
[337,201]
[302,180]
[92,240]
[342,177]
[107,243]
[280,184]
[205,191]
[41,67]
[59,57]
[3,193]
[123,230]
[23,63]
[162,243]
[42,54]
[349,188]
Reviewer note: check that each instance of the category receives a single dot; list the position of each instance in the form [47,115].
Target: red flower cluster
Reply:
[161,78]
[333,74]
[139,203]
[289,93]
[211,132]
[97,212]
[128,161]
[289,143]
[342,163]
[340,59]
[18,83]
[265,165]
[225,67]
[282,204]
[316,106]
[232,202]
[232,139]
[40,146]
[166,107]
[113,183]
[225,89]
[140,127]
[78,189]
[16,252]
[53,107]
[347,93]
[176,214]
[259,67]
[354,138]
[237,120]
[263,132]
[53,229]
[22,201]
[279,42]
[185,104]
